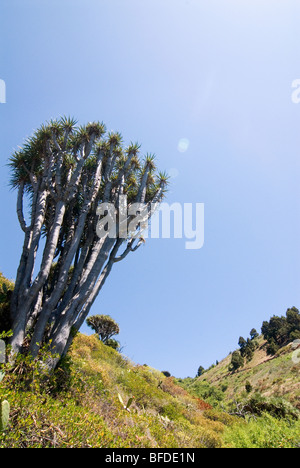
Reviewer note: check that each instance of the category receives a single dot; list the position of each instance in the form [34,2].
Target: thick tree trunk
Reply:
[68,172]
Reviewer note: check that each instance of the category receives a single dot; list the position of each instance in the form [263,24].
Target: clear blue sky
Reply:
[217,73]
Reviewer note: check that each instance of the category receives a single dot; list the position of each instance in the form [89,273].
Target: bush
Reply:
[248,387]
[219,416]
[6,289]
[237,361]
[272,347]
[203,390]
[276,407]
[114,344]
[263,432]
[77,405]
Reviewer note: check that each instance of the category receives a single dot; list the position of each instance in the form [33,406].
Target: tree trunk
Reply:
[68,172]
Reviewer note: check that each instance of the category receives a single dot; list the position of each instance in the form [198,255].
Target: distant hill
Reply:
[269,376]
[261,376]
[276,376]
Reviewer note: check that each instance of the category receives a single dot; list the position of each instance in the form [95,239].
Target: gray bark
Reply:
[79,171]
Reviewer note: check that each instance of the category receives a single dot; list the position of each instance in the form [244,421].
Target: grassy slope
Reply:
[269,376]
[89,413]
[275,379]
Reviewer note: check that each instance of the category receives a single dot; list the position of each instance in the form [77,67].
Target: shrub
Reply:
[114,344]
[263,432]
[220,416]
[77,405]
[248,387]
[203,390]
[237,361]
[272,347]
[6,289]
[276,407]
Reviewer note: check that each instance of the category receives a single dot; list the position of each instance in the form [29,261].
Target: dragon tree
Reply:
[63,174]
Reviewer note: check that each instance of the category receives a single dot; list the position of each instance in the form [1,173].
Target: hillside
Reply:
[268,376]
[80,407]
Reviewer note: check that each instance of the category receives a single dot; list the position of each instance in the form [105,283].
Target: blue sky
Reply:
[216,73]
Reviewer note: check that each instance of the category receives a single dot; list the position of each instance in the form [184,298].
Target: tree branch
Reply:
[20,208]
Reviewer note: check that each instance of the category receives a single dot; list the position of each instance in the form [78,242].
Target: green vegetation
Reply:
[237,361]
[97,398]
[105,327]
[263,393]
[6,289]
[264,432]
[276,376]
[203,390]
[247,347]
[246,352]
[79,404]
[200,371]
[281,330]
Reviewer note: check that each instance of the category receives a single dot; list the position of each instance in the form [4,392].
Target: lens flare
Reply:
[183,145]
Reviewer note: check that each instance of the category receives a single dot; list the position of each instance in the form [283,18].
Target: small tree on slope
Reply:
[104,326]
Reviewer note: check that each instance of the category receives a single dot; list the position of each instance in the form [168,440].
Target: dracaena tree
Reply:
[104,325]
[64,172]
